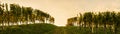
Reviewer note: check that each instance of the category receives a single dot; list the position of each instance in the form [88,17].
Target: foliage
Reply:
[107,20]
[22,14]
[28,29]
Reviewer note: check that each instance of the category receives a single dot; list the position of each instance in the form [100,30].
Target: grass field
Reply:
[52,29]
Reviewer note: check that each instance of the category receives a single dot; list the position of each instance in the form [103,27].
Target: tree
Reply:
[107,19]
[87,18]
[117,24]
[51,19]
[1,14]
[80,20]
[16,10]
[72,21]
[22,14]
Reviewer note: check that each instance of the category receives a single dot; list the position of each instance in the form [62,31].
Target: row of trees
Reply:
[14,13]
[91,19]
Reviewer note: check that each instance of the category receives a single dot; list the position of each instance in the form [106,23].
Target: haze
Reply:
[61,10]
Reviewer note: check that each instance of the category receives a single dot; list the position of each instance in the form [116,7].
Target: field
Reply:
[52,29]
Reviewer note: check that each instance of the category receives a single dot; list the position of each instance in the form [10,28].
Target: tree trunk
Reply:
[92,27]
[105,29]
[96,29]
[115,31]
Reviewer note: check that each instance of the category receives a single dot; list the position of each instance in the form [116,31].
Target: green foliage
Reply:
[21,14]
[90,20]
[29,29]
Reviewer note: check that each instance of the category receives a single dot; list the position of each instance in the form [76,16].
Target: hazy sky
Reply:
[64,9]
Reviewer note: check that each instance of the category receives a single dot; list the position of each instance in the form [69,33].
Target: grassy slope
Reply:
[49,29]
[77,30]
[28,29]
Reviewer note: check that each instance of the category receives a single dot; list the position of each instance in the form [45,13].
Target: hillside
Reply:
[28,29]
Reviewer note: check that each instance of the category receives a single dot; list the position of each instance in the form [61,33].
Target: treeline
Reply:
[15,14]
[96,20]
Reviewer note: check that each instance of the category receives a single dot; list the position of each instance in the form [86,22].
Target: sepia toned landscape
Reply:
[59,17]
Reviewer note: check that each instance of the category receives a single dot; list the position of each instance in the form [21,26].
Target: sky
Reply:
[61,10]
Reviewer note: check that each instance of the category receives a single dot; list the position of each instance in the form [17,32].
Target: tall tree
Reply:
[51,19]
